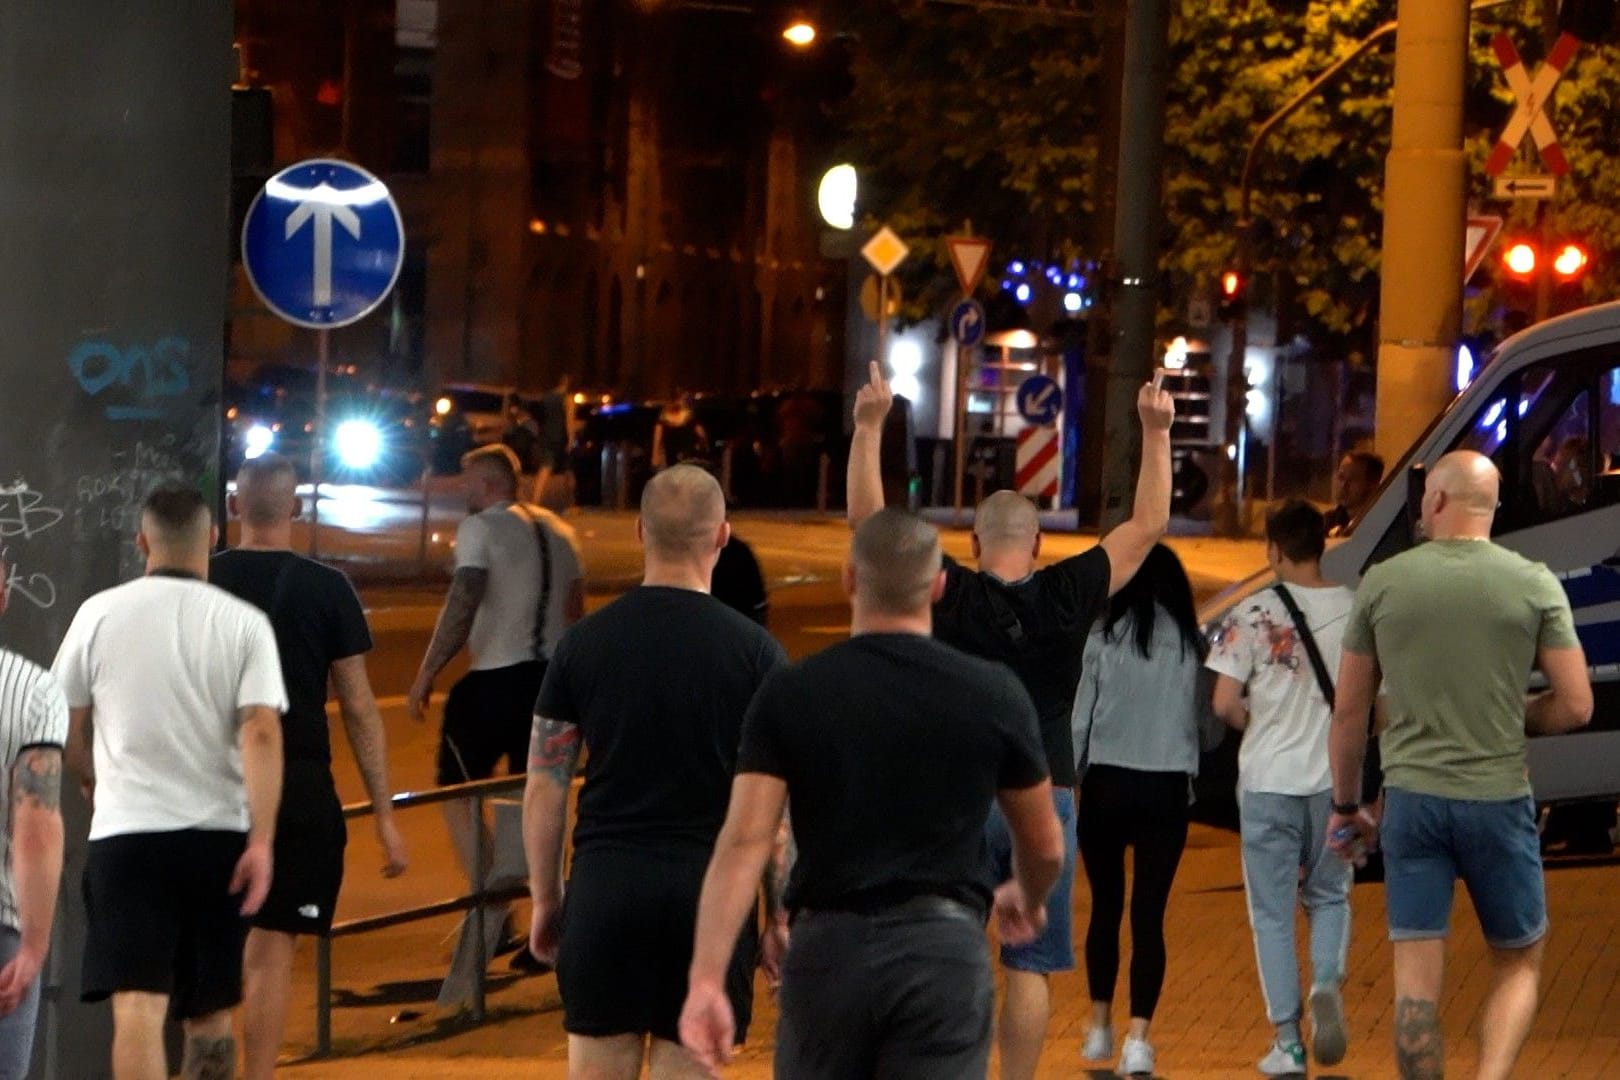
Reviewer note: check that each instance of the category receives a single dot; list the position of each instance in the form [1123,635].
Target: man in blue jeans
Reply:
[1454,625]
[1284,785]
[1035,622]
[33,728]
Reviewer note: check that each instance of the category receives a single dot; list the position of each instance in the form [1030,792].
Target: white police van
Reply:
[1545,406]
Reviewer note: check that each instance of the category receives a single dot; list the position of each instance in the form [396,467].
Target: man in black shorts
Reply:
[517,587]
[891,748]
[322,637]
[179,687]
[654,686]
[1034,621]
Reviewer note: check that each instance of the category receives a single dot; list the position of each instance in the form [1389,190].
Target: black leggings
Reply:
[1147,810]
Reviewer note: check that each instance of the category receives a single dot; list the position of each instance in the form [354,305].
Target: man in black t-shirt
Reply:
[654,687]
[322,637]
[891,748]
[1036,622]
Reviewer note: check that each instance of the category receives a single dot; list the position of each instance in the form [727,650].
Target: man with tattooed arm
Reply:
[653,688]
[33,728]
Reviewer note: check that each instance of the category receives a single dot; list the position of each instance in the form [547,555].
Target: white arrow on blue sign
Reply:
[967,322]
[1039,400]
[323,243]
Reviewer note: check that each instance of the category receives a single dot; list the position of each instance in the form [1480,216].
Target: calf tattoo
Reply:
[1419,1052]
[210,1058]
[553,750]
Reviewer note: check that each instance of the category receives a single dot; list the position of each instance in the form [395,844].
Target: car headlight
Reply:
[359,444]
[258,439]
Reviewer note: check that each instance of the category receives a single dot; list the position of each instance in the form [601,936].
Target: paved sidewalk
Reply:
[1211,1023]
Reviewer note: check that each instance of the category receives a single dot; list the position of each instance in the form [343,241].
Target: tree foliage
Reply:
[993,115]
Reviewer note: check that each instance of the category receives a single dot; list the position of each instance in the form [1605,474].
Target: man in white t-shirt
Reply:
[513,559]
[178,686]
[33,728]
[1285,786]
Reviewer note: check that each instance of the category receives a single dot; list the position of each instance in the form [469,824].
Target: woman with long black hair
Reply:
[1137,719]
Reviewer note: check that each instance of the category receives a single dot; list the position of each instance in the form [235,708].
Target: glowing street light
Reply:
[835,196]
[799,34]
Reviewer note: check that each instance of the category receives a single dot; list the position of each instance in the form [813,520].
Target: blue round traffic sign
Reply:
[323,243]
[967,322]
[1039,400]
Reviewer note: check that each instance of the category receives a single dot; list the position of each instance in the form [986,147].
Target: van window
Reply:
[1556,459]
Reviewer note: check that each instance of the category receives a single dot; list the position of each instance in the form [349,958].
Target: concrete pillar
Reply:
[114,197]
[1425,185]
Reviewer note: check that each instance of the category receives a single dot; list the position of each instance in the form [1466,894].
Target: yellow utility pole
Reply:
[1425,189]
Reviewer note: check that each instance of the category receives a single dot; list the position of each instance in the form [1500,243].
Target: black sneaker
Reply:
[525,962]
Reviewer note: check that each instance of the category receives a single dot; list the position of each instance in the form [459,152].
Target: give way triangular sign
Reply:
[970,255]
[1477,237]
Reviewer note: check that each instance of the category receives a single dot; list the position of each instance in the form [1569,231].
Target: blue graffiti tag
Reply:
[163,369]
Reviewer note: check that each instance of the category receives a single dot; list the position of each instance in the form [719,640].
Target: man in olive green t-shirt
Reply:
[1453,627]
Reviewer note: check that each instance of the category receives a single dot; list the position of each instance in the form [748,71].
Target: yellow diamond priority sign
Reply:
[885,251]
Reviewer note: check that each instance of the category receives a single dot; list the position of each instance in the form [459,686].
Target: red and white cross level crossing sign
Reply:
[1036,474]
[1532,95]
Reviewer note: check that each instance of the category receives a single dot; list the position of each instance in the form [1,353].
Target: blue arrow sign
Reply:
[323,243]
[1039,400]
[967,322]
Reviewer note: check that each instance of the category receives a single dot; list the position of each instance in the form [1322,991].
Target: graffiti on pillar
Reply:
[24,516]
[136,382]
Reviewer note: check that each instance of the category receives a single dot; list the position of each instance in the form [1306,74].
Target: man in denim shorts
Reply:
[1454,625]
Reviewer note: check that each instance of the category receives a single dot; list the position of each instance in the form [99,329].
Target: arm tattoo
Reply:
[1419,1050]
[37,778]
[784,853]
[210,1058]
[455,623]
[554,750]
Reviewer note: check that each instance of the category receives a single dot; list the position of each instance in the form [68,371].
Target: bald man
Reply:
[518,585]
[175,697]
[653,687]
[892,748]
[322,637]
[1035,621]
[1455,624]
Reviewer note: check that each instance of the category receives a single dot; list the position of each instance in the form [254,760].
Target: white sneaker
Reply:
[1099,1044]
[1283,1060]
[1328,1041]
[1137,1058]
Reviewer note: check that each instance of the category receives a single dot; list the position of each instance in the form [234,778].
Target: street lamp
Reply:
[835,196]
[800,34]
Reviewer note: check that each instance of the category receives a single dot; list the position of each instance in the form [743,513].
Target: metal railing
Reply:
[475,901]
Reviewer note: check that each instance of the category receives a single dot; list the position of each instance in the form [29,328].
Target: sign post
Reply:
[323,243]
[1039,400]
[970,258]
[884,252]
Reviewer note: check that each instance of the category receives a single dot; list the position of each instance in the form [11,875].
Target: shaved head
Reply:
[896,558]
[1468,479]
[682,509]
[176,522]
[267,490]
[1006,517]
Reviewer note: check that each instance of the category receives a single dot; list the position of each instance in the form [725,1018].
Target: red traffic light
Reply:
[1231,284]
[1520,259]
[1570,262]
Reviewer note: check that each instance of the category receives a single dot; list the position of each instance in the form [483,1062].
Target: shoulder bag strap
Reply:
[543,536]
[1323,680]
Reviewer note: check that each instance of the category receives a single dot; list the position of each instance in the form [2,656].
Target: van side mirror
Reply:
[1417,475]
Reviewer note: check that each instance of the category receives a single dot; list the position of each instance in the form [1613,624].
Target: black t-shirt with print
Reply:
[657,682]
[318,621]
[892,747]
[1038,628]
